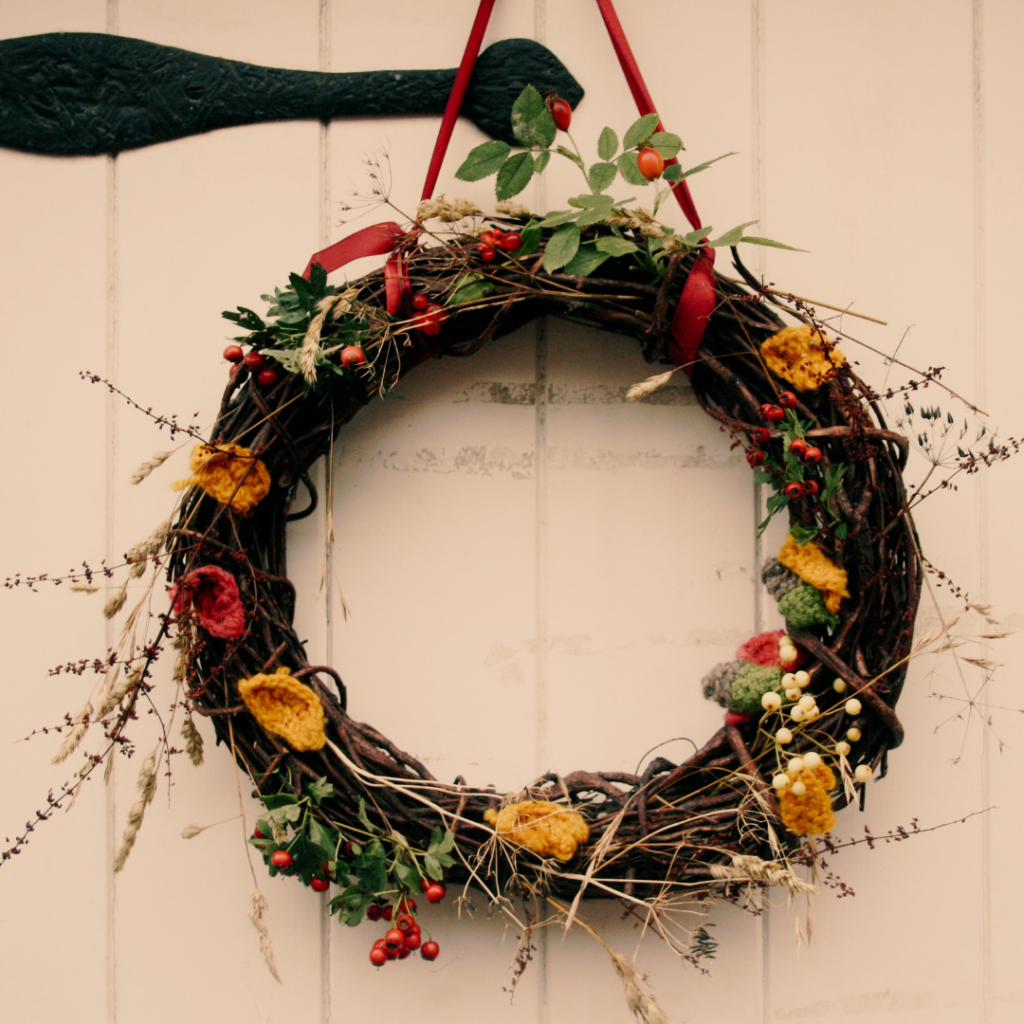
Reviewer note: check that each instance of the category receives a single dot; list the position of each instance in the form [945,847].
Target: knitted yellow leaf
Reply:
[228,473]
[546,828]
[813,566]
[801,356]
[810,814]
[286,708]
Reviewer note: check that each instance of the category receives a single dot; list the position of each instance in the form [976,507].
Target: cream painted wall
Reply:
[532,586]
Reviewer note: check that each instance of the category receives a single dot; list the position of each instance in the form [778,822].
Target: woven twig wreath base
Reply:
[672,822]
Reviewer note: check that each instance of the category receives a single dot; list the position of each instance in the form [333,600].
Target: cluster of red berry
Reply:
[494,239]
[810,454]
[351,355]
[431,315]
[405,936]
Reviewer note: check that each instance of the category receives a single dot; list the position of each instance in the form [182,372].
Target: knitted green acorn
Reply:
[803,606]
[750,684]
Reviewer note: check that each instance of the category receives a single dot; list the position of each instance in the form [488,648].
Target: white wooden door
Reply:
[538,575]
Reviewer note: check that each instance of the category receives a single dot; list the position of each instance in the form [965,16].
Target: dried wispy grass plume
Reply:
[146,468]
[146,786]
[511,209]
[649,386]
[83,588]
[753,869]
[257,908]
[193,741]
[191,831]
[139,553]
[447,210]
[79,727]
[638,996]
[114,692]
[116,602]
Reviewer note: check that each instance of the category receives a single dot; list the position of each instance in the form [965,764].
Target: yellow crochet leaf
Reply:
[813,566]
[801,356]
[228,473]
[810,814]
[286,708]
[548,829]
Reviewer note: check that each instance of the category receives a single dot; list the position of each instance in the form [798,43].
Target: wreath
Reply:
[810,711]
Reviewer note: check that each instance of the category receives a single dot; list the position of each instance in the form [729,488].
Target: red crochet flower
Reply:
[763,649]
[213,595]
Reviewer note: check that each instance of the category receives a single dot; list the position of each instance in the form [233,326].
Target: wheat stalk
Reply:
[649,386]
[79,727]
[146,786]
[257,908]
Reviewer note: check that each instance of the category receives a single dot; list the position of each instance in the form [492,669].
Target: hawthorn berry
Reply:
[811,487]
[489,238]
[435,892]
[560,111]
[412,939]
[233,353]
[404,922]
[430,950]
[794,490]
[650,163]
[798,446]
[394,939]
[512,242]
[373,912]
[774,414]
[319,885]
[257,834]
[755,456]
[762,410]
[387,911]
[419,301]
[378,957]
[254,361]
[430,322]
[787,399]
[281,859]
[812,455]
[760,435]
[406,905]
[403,953]
[352,355]
[425,884]
[486,251]
[234,368]
[267,378]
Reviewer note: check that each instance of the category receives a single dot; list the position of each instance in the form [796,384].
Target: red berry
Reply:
[267,378]
[512,242]
[755,457]
[787,399]
[736,718]
[233,353]
[425,884]
[352,355]
[812,455]
[650,163]
[489,238]
[394,939]
[319,885]
[378,957]
[392,953]
[281,859]
[762,410]
[774,414]
[387,911]
[486,252]
[233,371]
[412,939]
[760,435]
[794,490]
[497,232]
[430,950]
[560,111]
[403,953]
[373,912]
[798,446]
[435,892]
[406,905]
[257,834]
[811,487]
[419,301]
[254,361]
[404,922]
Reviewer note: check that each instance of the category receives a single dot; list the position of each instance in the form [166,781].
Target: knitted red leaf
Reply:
[213,594]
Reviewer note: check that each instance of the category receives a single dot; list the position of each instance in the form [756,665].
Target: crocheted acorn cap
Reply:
[548,829]
[286,708]
[228,473]
[802,356]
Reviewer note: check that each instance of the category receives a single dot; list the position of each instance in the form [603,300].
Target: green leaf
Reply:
[607,144]
[761,477]
[282,815]
[704,166]
[559,217]
[514,176]
[441,843]
[673,172]
[483,160]
[629,170]
[731,237]
[350,905]
[841,530]
[601,176]
[803,534]
[562,246]
[364,820]
[301,288]
[833,481]
[666,143]
[615,246]
[317,282]
[541,160]
[278,800]
[570,155]
[589,202]
[407,876]
[532,123]
[532,235]
[586,261]
[755,240]
[696,236]
[640,131]
[323,838]
[433,866]
[471,288]
[320,790]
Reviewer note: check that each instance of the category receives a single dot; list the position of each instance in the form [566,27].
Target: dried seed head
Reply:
[193,741]
[116,602]
[191,831]
[257,909]
[146,786]
[78,729]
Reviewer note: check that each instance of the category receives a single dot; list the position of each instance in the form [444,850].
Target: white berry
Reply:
[803,678]
[771,701]
[807,702]
[784,736]
[798,789]
[853,706]
[839,685]
[787,655]
[853,734]
[796,764]
[812,760]
[842,748]
[793,694]
[812,715]
[780,781]
[862,773]
[797,713]
[789,681]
